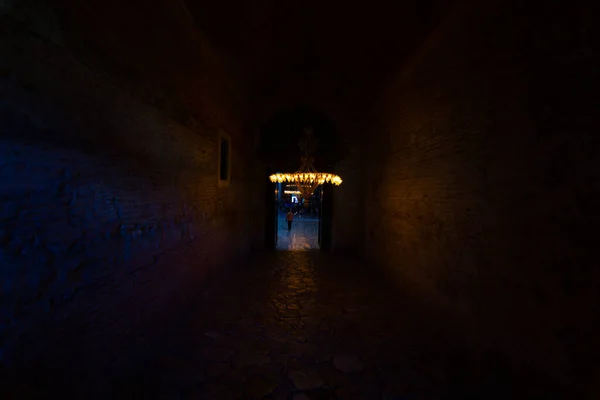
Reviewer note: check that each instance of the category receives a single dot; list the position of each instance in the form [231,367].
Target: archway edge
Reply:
[279,136]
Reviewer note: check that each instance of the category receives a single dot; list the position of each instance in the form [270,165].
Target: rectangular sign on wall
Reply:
[224,160]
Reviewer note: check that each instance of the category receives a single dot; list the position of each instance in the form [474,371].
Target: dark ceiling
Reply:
[334,56]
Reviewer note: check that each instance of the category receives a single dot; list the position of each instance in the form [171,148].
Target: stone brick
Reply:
[475,193]
[348,207]
[111,214]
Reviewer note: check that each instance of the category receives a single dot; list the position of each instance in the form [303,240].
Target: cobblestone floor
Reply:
[303,325]
[308,325]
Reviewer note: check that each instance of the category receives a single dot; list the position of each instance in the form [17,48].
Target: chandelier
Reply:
[307,178]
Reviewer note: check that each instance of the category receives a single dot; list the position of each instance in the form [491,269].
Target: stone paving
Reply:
[304,325]
[307,325]
[295,326]
[303,236]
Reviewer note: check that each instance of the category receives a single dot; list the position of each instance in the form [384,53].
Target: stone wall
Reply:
[111,213]
[348,208]
[482,177]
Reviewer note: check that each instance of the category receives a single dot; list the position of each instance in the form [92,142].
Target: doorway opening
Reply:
[304,233]
[283,141]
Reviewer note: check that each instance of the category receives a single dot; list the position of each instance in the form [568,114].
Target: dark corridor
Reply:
[458,257]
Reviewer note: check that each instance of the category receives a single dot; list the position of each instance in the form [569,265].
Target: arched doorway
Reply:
[278,148]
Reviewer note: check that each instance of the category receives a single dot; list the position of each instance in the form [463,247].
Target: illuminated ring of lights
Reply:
[310,177]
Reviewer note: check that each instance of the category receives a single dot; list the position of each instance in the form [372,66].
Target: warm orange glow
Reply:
[307,178]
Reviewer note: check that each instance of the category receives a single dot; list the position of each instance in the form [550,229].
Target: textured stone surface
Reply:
[300,396]
[111,214]
[347,363]
[404,354]
[348,223]
[482,177]
[306,380]
[259,386]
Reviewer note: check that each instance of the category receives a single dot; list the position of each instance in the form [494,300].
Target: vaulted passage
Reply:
[139,226]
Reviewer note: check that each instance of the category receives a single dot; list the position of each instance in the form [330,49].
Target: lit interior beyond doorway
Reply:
[304,233]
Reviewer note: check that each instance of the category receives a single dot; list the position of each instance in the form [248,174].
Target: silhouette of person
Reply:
[290,218]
